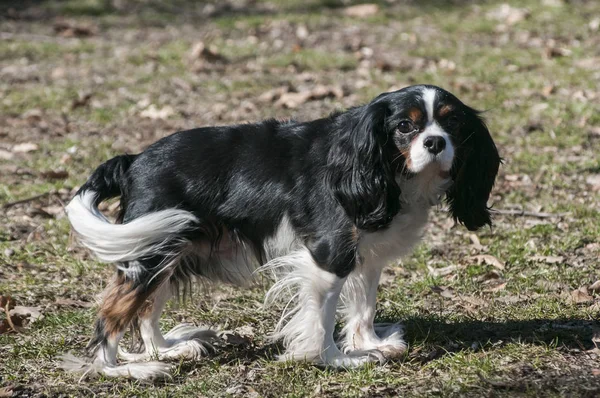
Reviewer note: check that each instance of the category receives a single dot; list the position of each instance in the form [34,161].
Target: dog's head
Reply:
[419,129]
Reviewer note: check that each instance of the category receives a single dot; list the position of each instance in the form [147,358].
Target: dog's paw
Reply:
[391,343]
[356,359]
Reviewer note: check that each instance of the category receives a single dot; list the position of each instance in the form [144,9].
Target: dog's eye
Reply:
[453,121]
[405,127]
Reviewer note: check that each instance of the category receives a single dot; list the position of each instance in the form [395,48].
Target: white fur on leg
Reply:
[307,327]
[105,363]
[182,342]
[359,298]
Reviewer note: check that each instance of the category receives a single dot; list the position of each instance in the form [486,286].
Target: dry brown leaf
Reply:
[548,259]
[25,147]
[152,112]
[55,174]
[580,296]
[443,291]
[595,287]
[487,259]
[596,372]
[82,101]
[508,14]
[293,100]
[33,313]
[361,10]
[442,271]
[474,301]
[496,288]
[273,94]
[6,391]
[6,155]
[69,29]
[594,181]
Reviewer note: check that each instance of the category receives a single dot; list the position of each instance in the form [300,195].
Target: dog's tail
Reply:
[143,237]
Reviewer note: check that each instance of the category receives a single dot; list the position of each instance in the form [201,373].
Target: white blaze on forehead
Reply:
[429,99]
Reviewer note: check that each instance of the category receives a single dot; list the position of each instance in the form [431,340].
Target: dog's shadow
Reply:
[438,336]
[432,337]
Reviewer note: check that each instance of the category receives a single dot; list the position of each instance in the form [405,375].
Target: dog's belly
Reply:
[235,262]
[382,247]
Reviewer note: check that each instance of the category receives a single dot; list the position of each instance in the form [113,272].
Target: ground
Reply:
[507,311]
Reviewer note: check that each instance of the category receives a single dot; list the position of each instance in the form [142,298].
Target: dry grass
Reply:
[85,80]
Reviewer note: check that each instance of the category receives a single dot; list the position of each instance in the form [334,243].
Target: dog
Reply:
[323,205]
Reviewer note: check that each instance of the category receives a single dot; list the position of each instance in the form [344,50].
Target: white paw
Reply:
[356,359]
[391,343]
[187,350]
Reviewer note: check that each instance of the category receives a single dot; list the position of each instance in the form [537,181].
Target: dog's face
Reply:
[419,129]
[425,126]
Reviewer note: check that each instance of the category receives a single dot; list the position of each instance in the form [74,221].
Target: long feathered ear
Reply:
[359,170]
[474,172]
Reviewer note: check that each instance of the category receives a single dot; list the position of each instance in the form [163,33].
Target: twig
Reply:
[18,202]
[33,37]
[8,319]
[523,213]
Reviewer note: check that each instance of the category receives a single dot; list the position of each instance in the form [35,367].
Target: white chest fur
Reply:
[418,195]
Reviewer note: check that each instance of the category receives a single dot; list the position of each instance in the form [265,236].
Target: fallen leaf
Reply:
[580,296]
[69,29]
[489,276]
[25,147]
[594,181]
[33,313]
[152,112]
[6,391]
[361,10]
[596,372]
[595,287]
[442,271]
[55,174]
[82,101]
[293,100]
[443,291]
[210,53]
[487,259]
[548,259]
[496,288]
[474,301]
[508,14]
[6,155]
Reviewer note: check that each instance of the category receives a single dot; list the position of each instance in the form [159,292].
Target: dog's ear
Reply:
[474,172]
[359,170]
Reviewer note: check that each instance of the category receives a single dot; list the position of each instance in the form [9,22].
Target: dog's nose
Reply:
[435,144]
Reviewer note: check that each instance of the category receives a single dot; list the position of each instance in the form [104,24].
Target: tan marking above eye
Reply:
[444,110]
[415,114]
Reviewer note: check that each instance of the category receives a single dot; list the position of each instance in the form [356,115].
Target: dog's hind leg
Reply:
[182,342]
[133,286]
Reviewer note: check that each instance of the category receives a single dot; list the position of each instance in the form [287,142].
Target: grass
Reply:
[500,332]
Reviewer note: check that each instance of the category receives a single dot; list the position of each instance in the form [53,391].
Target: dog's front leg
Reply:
[359,298]
[308,333]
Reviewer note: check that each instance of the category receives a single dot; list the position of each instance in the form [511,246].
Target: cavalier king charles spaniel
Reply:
[322,206]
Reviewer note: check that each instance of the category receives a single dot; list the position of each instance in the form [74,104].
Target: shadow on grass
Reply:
[456,336]
[435,332]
